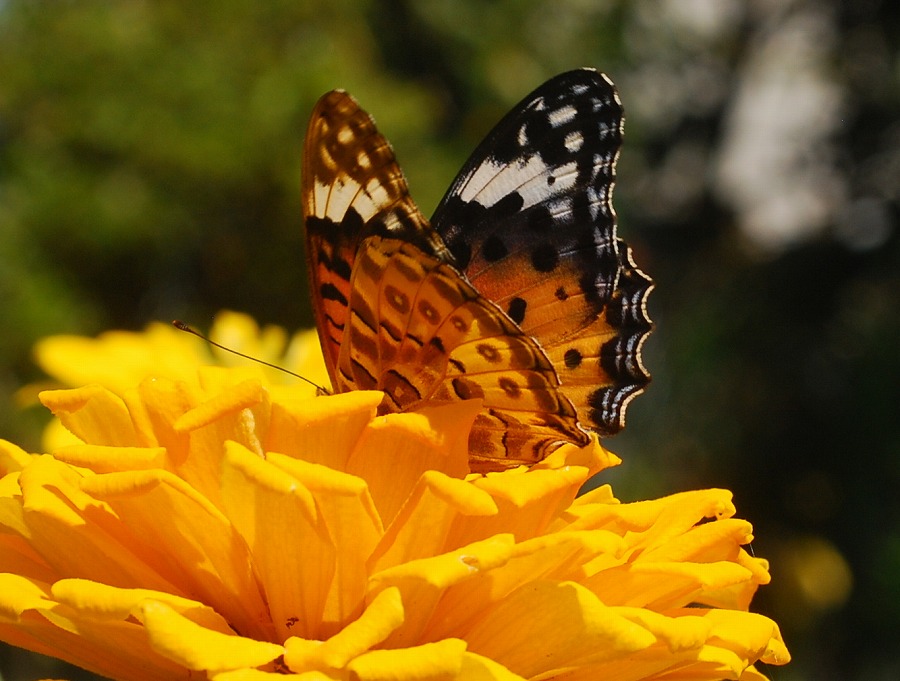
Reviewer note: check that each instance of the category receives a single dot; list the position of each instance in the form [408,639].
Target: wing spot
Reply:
[572,358]
[561,294]
[397,299]
[516,309]
[489,352]
[494,249]
[562,115]
[510,387]
[545,258]
[345,136]
[467,389]
[459,323]
[428,311]
[540,219]
[574,141]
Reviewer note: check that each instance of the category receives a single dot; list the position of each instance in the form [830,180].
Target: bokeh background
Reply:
[149,169]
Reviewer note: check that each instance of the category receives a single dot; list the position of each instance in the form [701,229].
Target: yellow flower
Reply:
[119,360]
[226,528]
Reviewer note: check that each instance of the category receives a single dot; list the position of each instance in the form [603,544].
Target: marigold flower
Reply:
[230,529]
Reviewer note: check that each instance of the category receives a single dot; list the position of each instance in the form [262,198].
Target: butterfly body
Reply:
[517,293]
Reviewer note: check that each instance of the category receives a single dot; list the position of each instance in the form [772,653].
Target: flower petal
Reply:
[592,456]
[323,430]
[12,458]
[528,501]
[93,414]
[396,449]
[432,661]
[77,535]
[432,586]
[277,518]
[347,531]
[100,601]
[211,558]
[532,631]
[434,520]
[381,618]
[29,617]
[119,360]
[106,459]
[195,647]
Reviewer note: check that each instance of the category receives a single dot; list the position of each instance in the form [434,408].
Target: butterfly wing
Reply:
[419,332]
[529,221]
[352,187]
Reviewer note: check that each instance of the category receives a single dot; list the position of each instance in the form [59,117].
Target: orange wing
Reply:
[419,332]
[352,187]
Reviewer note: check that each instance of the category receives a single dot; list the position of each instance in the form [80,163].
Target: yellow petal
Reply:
[750,636]
[381,618]
[19,558]
[102,602]
[257,675]
[396,449]
[119,360]
[212,562]
[113,648]
[195,647]
[155,406]
[703,543]
[19,594]
[277,518]
[557,557]
[12,458]
[479,668]
[322,430]
[239,407]
[75,533]
[348,530]
[532,631]
[92,414]
[528,501]
[666,517]
[105,459]
[751,674]
[56,435]
[666,585]
[429,662]
[435,519]
[431,587]
[593,456]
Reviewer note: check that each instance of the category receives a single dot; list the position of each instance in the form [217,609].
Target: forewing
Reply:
[530,223]
[352,187]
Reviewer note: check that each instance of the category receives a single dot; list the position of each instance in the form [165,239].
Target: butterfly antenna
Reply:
[181,326]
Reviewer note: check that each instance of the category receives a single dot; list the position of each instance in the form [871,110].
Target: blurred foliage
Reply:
[149,169]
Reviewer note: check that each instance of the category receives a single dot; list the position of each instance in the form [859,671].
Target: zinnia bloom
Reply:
[219,526]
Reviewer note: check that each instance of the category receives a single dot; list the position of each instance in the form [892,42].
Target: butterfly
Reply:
[517,292]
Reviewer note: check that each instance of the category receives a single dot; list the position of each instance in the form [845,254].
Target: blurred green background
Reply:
[150,165]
